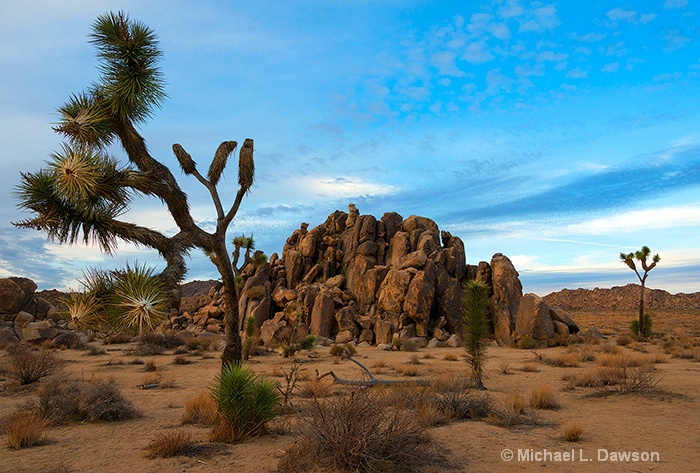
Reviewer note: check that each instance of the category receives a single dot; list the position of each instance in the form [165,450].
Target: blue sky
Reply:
[556,133]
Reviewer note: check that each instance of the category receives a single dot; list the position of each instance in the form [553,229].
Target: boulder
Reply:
[28,288]
[533,319]
[558,315]
[322,315]
[8,336]
[507,292]
[11,297]
[419,302]
[393,290]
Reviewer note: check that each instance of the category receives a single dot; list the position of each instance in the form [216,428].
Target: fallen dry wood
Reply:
[372,381]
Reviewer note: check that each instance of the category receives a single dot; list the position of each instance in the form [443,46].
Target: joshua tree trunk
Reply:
[233,350]
[642,328]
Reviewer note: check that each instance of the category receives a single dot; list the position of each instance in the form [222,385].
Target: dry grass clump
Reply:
[414,360]
[572,431]
[360,432]
[410,371]
[24,429]
[618,379]
[171,444]
[623,340]
[200,409]
[513,411]
[563,360]
[343,350]
[79,401]
[181,360]
[530,368]
[27,365]
[450,357]
[316,388]
[542,397]
[623,360]
[505,368]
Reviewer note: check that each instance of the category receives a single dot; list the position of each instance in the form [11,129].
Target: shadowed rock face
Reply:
[357,277]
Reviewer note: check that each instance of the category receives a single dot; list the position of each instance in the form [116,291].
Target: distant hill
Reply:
[622,297]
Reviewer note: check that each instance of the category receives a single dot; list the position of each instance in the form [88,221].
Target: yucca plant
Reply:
[140,299]
[245,403]
[85,311]
[476,327]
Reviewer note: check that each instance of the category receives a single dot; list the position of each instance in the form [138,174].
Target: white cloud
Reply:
[545,18]
[341,187]
[477,52]
[670,4]
[638,220]
[611,67]
[577,73]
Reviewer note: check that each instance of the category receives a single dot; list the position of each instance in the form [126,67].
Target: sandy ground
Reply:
[666,423]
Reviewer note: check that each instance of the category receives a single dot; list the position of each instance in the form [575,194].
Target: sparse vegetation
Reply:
[572,431]
[24,429]
[27,365]
[245,403]
[527,343]
[171,444]
[344,350]
[360,432]
[542,397]
[634,326]
[200,409]
[641,256]
[79,401]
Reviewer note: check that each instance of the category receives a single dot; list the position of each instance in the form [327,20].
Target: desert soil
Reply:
[665,422]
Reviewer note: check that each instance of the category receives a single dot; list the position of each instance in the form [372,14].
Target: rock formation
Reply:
[363,279]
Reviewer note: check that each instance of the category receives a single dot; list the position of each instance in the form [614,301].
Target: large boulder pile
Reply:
[25,316]
[362,279]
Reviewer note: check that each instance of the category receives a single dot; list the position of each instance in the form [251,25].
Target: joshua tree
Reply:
[83,191]
[245,243]
[641,255]
[476,327]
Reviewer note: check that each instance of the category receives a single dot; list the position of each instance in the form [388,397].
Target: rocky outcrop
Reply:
[25,316]
[366,279]
[622,298]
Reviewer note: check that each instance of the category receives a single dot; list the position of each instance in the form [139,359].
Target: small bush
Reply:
[245,403]
[342,350]
[530,368]
[78,401]
[148,349]
[150,366]
[513,411]
[181,360]
[24,430]
[171,444]
[360,432]
[405,344]
[572,431]
[458,405]
[542,397]
[29,366]
[504,368]
[316,388]
[634,326]
[527,343]
[414,360]
[308,343]
[450,357]
[624,340]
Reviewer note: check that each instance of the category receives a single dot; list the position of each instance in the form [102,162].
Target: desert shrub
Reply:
[360,432]
[530,368]
[245,403]
[527,343]
[414,360]
[171,444]
[24,429]
[450,357]
[148,349]
[566,360]
[505,368]
[308,342]
[181,360]
[166,340]
[512,412]
[29,366]
[624,340]
[150,366]
[342,350]
[572,431]
[316,388]
[457,405]
[78,401]
[542,397]
[410,371]
[634,326]
[619,379]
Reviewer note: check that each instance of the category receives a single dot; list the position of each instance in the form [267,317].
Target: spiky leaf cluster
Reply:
[76,197]
[140,298]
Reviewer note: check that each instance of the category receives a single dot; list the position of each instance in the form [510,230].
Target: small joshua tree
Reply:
[476,327]
[642,256]
[245,243]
